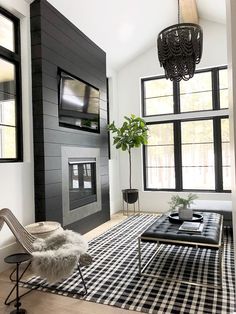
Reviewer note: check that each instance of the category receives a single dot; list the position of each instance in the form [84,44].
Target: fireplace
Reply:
[82,182]
[81,187]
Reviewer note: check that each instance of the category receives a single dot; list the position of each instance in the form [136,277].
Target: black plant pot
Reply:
[130,196]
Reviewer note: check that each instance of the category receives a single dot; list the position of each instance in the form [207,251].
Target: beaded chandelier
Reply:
[180,49]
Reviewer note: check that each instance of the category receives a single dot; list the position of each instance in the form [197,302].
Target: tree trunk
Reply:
[129,168]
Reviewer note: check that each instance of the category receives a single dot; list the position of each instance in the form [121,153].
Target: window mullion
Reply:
[9,55]
[145,166]
[176,97]
[218,155]
[215,90]
[178,156]
[18,113]
[143,98]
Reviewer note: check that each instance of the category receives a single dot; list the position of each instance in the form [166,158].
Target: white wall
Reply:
[129,101]
[16,179]
[231,42]
[114,162]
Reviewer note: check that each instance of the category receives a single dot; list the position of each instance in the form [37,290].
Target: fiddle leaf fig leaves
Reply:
[132,133]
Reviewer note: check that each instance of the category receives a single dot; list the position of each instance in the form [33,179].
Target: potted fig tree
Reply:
[132,134]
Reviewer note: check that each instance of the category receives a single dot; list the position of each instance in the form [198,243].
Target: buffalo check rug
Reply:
[113,277]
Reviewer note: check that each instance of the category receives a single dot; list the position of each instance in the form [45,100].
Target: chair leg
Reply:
[82,278]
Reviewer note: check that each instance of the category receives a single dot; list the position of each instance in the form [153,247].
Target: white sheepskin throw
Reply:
[56,256]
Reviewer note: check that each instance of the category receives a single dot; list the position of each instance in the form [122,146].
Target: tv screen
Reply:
[78,103]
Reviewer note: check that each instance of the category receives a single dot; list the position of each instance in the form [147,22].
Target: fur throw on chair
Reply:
[56,256]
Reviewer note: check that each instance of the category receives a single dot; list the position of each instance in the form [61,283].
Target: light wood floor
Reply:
[37,302]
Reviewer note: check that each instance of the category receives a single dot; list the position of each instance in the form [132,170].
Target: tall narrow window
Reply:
[198,155]
[10,102]
[160,170]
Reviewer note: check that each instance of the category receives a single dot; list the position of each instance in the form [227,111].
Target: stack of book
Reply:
[191,227]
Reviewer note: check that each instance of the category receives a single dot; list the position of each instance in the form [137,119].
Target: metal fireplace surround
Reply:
[86,155]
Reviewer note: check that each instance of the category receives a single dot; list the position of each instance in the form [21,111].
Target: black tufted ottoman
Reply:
[164,232]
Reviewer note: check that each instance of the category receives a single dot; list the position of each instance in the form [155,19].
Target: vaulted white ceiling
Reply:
[212,10]
[126,28]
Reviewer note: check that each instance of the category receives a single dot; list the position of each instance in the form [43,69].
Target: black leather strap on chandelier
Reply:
[180,49]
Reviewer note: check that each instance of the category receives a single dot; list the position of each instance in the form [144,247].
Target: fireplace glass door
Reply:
[82,183]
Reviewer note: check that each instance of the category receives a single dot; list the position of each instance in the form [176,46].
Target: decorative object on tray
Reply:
[182,205]
[191,227]
[174,217]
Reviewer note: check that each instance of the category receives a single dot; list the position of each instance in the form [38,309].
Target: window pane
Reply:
[225,130]
[7,77]
[204,178]
[160,156]
[198,155]
[196,94]
[160,178]
[225,154]
[158,87]
[159,134]
[7,112]
[7,142]
[226,178]
[197,131]
[223,76]
[224,98]
[199,83]
[159,105]
[196,102]
[160,172]
[6,33]
[158,97]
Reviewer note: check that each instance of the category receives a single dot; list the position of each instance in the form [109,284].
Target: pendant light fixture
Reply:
[180,49]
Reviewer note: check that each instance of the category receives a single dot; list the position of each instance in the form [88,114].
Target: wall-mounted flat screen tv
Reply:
[79,103]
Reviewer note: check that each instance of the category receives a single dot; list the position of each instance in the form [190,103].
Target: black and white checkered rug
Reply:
[113,277]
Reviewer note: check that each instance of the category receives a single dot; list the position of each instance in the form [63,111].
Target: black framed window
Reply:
[10,89]
[188,148]
[160,163]
[157,96]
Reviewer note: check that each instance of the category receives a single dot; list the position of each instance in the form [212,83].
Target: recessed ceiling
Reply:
[125,29]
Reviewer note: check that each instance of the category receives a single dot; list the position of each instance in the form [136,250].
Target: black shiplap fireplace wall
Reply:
[56,42]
